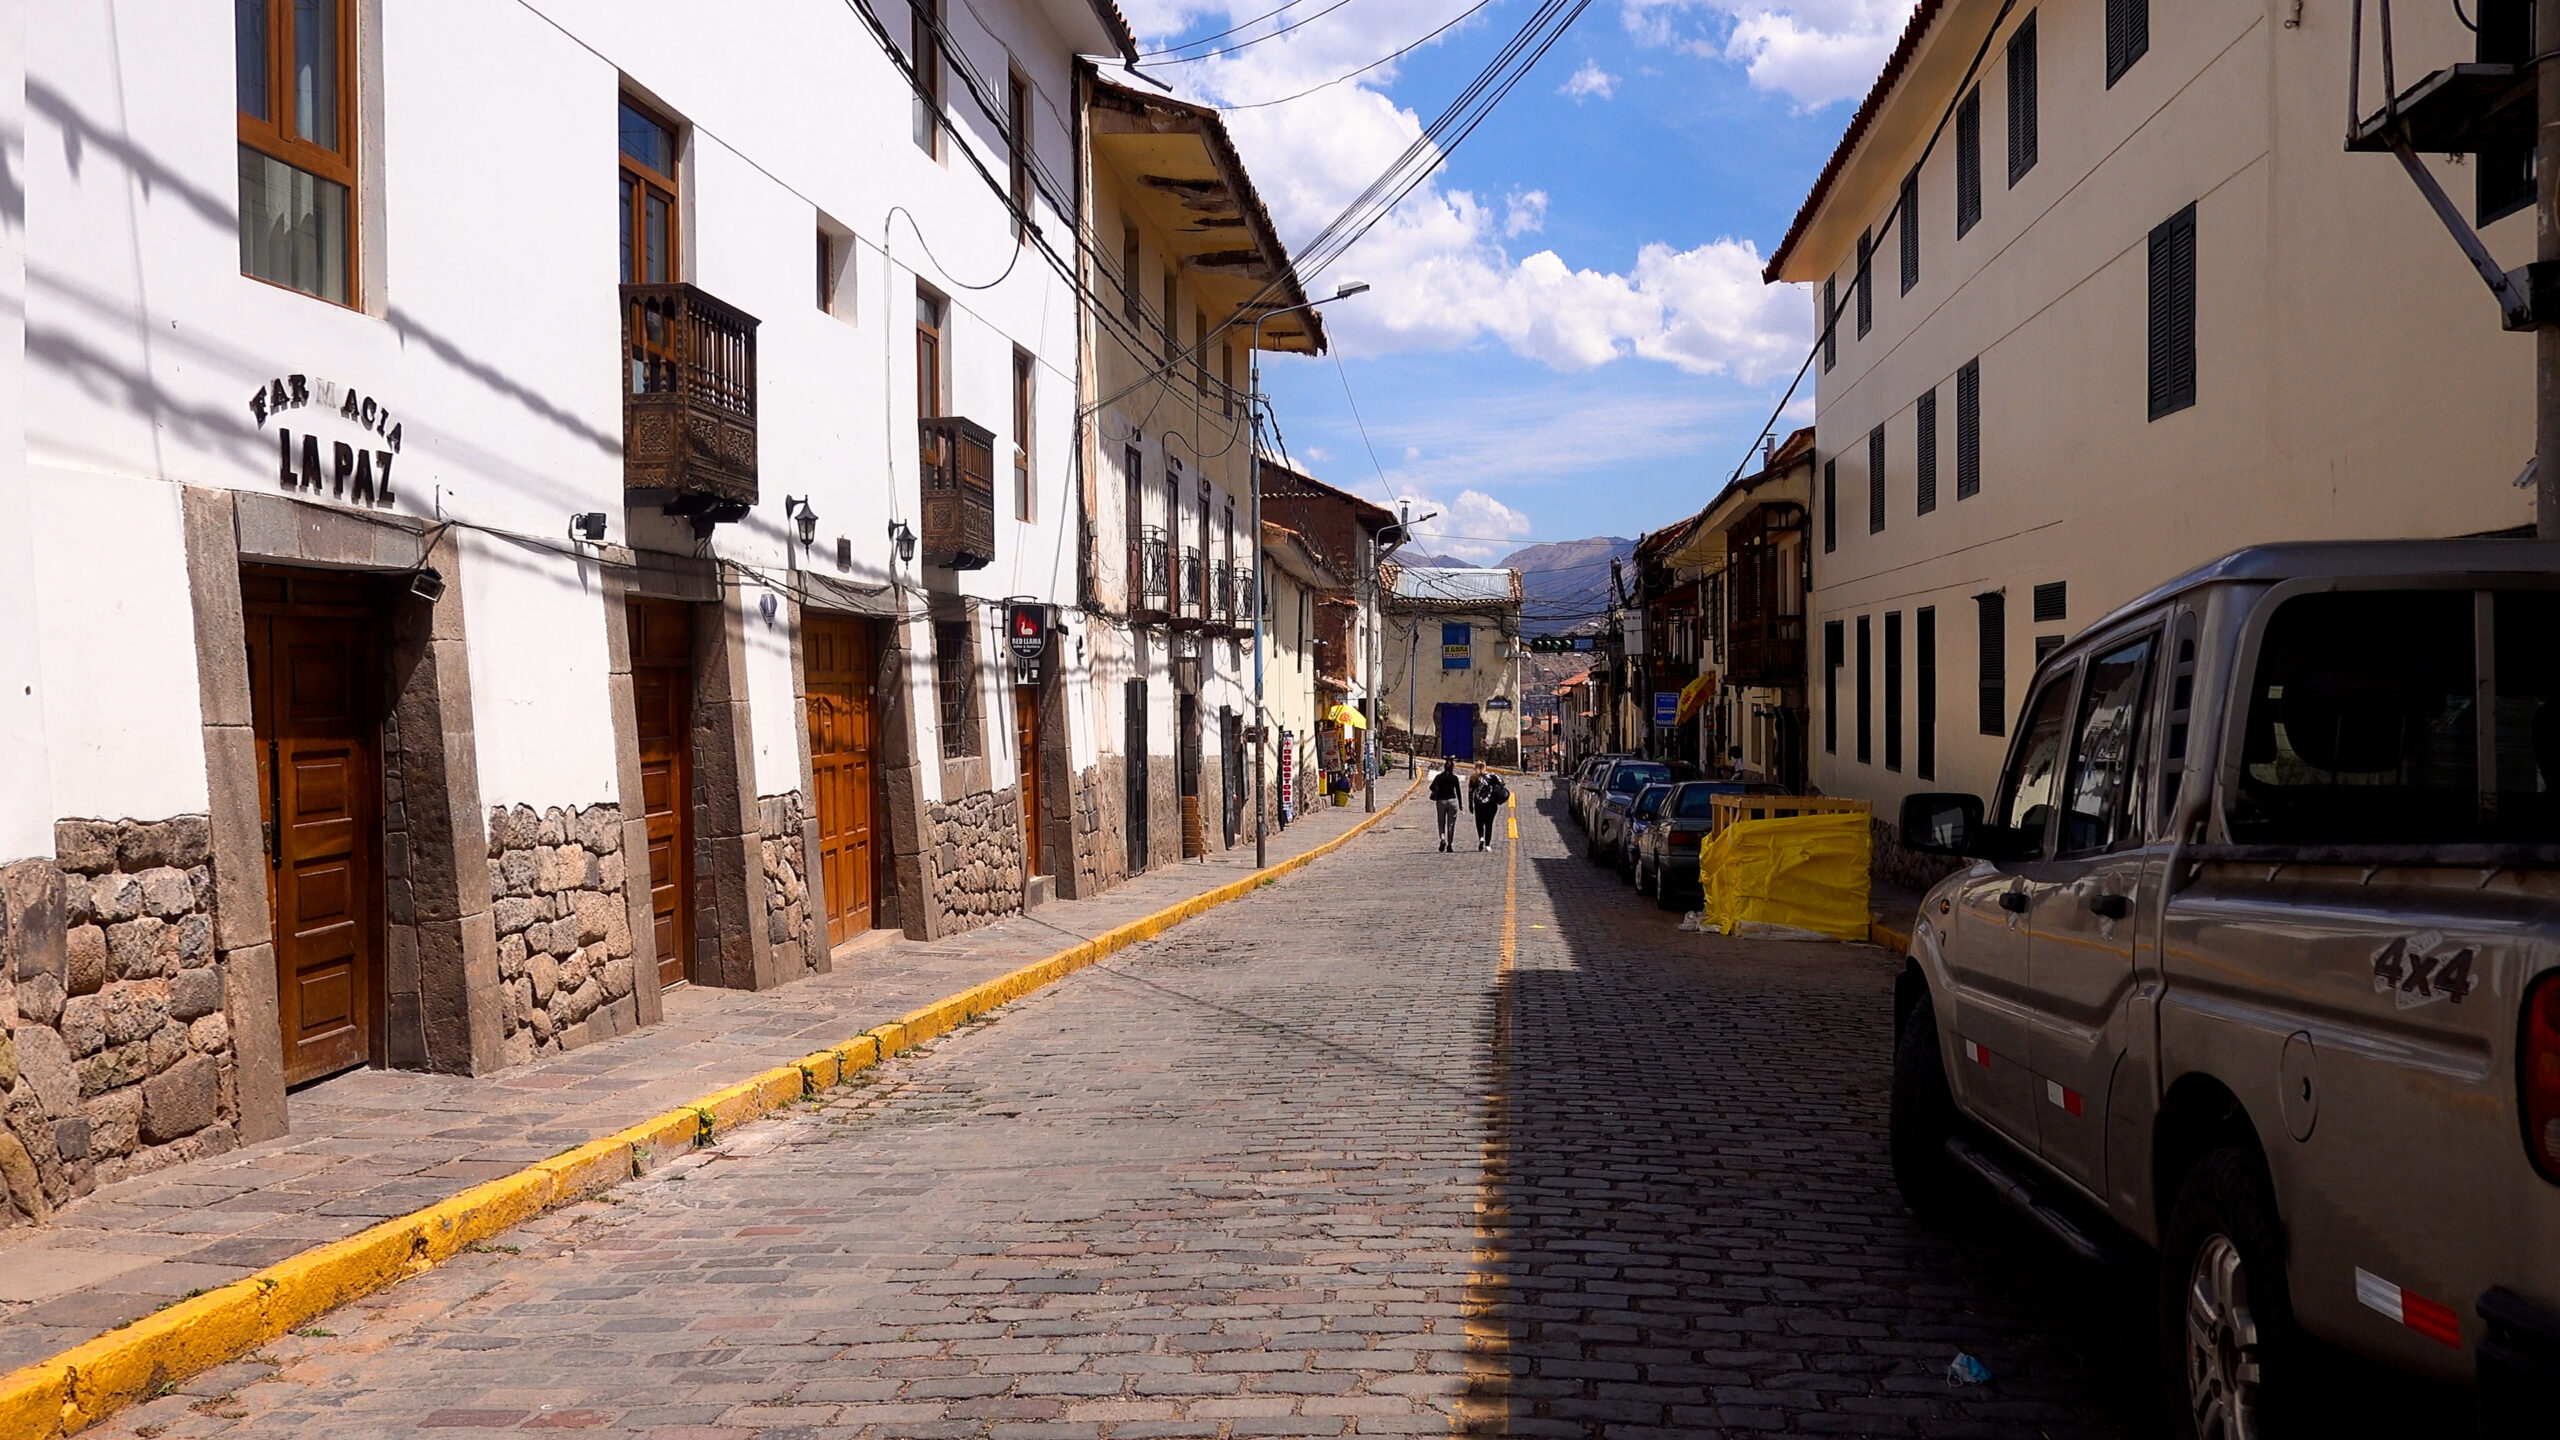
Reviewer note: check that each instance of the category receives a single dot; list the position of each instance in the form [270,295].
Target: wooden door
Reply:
[1026,743]
[662,695]
[839,659]
[314,712]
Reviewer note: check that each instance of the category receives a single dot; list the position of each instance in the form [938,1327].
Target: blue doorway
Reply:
[1458,731]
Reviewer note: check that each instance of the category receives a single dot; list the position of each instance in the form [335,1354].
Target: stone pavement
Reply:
[377,1143]
[1271,1175]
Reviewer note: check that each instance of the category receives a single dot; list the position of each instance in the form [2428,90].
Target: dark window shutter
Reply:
[2128,36]
[1969,429]
[1968,162]
[2504,170]
[1924,679]
[1831,687]
[1830,506]
[2022,99]
[1924,449]
[1875,480]
[1907,219]
[2173,313]
[2053,600]
[1866,695]
[1866,284]
[1992,608]
[2046,645]
[1893,690]
[1830,321]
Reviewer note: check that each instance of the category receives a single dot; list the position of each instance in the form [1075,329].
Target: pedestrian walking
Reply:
[1486,793]
[1445,791]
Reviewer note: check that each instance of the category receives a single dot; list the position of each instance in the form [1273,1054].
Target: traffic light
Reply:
[1551,645]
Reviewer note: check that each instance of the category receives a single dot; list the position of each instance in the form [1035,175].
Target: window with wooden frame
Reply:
[650,221]
[1024,369]
[926,54]
[932,319]
[297,94]
[1131,286]
[1017,124]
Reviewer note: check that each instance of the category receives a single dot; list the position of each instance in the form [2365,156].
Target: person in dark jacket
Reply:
[1445,791]
[1485,793]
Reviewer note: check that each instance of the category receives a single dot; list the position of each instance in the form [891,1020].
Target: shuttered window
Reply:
[2504,167]
[1830,322]
[1969,429]
[1831,687]
[1924,678]
[1906,220]
[1866,697]
[2128,36]
[1992,610]
[1830,506]
[2173,313]
[1968,162]
[1893,690]
[1924,450]
[1875,480]
[1866,282]
[2022,99]
[2053,600]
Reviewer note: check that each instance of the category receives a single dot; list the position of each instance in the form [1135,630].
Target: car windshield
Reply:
[1631,778]
[1698,802]
[1649,803]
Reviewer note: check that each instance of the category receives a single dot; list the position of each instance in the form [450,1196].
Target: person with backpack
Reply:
[1487,793]
[1445,791]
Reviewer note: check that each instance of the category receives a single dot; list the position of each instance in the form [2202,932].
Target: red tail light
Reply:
[2538,1074]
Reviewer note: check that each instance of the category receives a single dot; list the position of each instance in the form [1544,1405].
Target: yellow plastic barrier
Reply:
[1804,876]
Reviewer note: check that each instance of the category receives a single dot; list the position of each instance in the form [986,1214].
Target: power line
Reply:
[1246,44]
[1395,54]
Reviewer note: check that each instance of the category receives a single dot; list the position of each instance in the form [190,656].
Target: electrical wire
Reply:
[1395,54]
[1256,40]
[1237,28]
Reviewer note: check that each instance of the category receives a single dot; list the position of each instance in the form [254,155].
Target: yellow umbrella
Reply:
[1696,693]
[1345,715]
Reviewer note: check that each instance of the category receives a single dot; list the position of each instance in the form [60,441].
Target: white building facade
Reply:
[486,563]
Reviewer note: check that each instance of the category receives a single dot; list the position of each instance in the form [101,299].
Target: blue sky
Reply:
[1568,336]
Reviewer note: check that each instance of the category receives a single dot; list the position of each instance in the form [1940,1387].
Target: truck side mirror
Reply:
[1943,824]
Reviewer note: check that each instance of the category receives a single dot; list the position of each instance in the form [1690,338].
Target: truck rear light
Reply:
[2538,1074]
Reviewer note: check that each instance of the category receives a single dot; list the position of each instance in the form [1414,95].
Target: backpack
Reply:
[1495,791]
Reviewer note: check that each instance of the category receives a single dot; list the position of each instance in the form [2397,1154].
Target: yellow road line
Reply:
[80,1386]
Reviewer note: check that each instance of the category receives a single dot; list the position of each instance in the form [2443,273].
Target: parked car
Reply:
[1619,786]
[1639,818]
[1666,858]
[1586,787]
[2256,964]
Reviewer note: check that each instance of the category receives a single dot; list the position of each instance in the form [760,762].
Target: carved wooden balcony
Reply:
[957,467]
[1767,650]
[688,404]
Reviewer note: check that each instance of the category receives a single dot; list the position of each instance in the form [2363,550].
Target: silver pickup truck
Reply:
[2256,968]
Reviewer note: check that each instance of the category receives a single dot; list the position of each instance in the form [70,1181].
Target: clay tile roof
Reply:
[1921,18]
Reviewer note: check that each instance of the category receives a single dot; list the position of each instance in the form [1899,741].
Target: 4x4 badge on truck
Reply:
[2405,970]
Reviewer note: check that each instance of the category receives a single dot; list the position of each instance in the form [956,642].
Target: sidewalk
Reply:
[372,1144]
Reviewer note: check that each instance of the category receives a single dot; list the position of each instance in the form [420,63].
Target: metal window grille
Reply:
[951,684]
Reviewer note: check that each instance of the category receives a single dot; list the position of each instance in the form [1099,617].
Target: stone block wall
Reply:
[781,837]
[973,859]
[116,1057]
[564,928]
[1101,848]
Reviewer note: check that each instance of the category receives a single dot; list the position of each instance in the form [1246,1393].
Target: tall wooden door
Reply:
[662,695]
[839,658]
[1026,750]
[313,677]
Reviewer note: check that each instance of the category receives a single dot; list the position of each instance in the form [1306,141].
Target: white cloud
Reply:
[1475,526]
[1588,81]
[1525,212]
[1812,51]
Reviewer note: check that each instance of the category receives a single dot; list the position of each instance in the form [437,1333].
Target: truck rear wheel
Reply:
[1923,1117]
[2229,1351]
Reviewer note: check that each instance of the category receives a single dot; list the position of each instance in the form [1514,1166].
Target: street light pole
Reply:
[1261,582]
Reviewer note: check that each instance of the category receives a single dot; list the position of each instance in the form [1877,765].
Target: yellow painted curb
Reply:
[1889,934]
[80,1386]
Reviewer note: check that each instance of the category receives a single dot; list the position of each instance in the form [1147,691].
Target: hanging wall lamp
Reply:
[904,539]
[806,519]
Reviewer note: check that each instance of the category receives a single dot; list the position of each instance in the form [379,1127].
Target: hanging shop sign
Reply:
[343,446]
[1498,702]
[1026,630]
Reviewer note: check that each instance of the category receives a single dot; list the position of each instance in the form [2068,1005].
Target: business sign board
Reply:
[1666,709]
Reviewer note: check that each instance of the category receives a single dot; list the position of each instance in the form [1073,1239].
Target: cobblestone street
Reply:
[1324,1161]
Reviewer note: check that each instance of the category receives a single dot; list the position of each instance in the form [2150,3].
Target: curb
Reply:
[1894,935]
[81,1386]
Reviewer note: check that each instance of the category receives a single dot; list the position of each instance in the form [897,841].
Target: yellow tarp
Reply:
[1803,874]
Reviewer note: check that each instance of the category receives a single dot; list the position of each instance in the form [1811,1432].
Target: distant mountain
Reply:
[1566,582]
[1423,560]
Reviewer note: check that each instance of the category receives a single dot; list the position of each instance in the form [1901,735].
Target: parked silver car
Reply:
[1618,788]
[1666,855]
[2257,964]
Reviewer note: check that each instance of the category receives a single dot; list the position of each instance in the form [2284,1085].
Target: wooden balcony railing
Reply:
[1767,650]
[688,404]
[957,467]
[1150,576]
